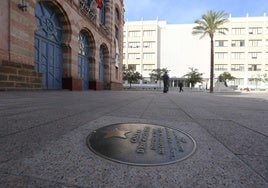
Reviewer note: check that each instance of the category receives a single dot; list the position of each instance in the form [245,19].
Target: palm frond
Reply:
[210,23]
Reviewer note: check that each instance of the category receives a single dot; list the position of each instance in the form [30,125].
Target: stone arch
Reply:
[92,53]
[63,50]
[60,10]
[92,42]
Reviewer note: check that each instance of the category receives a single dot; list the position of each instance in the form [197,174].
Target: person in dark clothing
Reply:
[166,82]
[180,86]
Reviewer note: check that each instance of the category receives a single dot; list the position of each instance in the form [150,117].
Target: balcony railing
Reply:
[85,7]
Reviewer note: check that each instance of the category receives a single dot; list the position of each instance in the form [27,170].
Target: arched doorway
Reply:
[83,59]
[48,51]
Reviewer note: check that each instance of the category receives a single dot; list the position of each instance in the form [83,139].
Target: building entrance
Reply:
[48,51]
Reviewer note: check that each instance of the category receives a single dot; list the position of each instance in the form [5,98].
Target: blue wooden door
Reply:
[83,60]
[48,52]
[101,68]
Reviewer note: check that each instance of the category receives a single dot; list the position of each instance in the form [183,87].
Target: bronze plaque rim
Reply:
[136,163]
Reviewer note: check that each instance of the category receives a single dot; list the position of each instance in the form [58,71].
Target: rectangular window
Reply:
[134,33]
[254,67]
[237,67]
[134,56]
[222,31]
[221,43]
[238,31]
[149,56]
[148,67]
[254,55]
[236,82]
[255,43]
[134,44]
[238,55]
[221,55]
[149,44]
[266,67]
[220,67]
[255,30]
[238,43]
[149,33]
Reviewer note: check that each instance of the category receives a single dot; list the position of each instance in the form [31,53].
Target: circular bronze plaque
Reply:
[141,144]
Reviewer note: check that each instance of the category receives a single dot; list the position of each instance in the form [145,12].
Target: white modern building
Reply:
[142,46]
[242,51]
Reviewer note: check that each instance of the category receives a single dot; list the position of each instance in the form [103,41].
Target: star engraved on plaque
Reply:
[116,133]
[141,144]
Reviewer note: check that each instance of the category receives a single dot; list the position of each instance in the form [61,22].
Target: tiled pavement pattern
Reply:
[43,138]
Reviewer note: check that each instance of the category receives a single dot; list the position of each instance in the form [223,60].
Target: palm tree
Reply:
[208,25]
[193,76]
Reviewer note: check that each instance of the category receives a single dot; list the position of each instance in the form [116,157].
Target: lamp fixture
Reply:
[23,5]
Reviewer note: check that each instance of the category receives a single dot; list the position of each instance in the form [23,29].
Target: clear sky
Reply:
[187,11]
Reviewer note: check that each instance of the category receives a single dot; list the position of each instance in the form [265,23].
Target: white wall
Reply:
[181,50]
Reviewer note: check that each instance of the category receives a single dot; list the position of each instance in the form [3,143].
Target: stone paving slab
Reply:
[43,140]
[69,161]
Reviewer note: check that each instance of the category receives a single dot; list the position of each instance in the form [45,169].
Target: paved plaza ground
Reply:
[43,138]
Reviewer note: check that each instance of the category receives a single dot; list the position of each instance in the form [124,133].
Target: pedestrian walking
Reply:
[166,82]
[180,86]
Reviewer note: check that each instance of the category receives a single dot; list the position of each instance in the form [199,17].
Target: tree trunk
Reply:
[211,63]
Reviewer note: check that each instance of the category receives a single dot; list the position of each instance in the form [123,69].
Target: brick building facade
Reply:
[61,44]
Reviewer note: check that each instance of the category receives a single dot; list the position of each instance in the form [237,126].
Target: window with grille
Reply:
[134,44]
[236,82]
[148,67]
[238,55]
[149,56]
[237,67]
[134,33]
[221,55]
[254,55]
[221,43]
[255,43]
[149,44]
[220,67]
[238,31]
[254,67]
[222,31]
[238,43]
[255,30]
[149,33]
[134,56]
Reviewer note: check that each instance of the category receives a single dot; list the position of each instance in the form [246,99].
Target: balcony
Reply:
[87,10]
